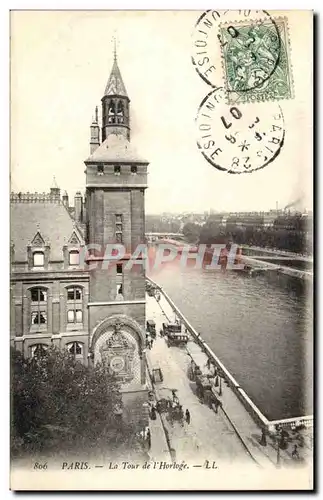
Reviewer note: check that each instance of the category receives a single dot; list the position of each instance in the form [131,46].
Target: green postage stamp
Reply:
[256,60]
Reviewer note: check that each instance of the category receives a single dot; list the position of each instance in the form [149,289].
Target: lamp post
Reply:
[220,388]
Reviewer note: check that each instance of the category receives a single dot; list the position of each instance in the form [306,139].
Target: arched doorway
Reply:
[119,342]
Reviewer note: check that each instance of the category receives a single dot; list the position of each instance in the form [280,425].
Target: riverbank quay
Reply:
[247,429]
[279,253]
[263,265]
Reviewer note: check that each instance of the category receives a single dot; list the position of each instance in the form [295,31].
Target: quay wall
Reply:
[290,271]
[252,409]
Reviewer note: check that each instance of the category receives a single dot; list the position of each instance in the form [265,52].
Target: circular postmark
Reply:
[237,49]
[239,139]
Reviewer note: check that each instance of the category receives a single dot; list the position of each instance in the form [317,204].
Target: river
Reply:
[260,328]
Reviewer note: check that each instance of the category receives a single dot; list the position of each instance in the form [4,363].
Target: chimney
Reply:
[78,205]
[65,199]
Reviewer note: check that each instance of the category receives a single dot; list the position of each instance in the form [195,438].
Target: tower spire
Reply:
[115,102]
[114,48]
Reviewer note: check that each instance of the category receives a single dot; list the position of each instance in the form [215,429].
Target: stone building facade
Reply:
[65,290]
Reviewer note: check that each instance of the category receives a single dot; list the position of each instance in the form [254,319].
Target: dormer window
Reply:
[133,169]
[38,259]
[74,258]
[117,169]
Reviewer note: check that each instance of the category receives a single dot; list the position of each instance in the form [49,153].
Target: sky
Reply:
[60,64]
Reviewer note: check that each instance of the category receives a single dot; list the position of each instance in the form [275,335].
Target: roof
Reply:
[54,184]
[51,220]
[115,85]
[116,148]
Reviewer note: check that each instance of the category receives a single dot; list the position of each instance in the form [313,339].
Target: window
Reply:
[38,306]
[101,169]
[75,349]
[133,169]
[38,295]
[74,293]
[38,259]
[118,228]
[74,316]
[38,318]
[117,169]
[74,258]
[38,350]
[74,306]
[119,268]
[119,291]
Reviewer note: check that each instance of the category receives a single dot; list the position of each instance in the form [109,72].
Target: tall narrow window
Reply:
[117,169]
[38,259]
[118,228]
[38,308]
[133,169]
[74,306]
[120,112]
[74,258]
[119,268]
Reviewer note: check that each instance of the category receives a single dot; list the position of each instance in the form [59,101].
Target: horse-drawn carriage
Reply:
[205,391]
[175,336]
[176,413]
[172,408]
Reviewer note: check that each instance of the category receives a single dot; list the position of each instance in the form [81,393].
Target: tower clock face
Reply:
[117,364]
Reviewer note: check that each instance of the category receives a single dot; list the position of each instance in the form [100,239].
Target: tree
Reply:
[58,403]
[191,232]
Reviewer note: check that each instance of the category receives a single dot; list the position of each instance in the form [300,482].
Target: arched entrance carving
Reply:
[119,342]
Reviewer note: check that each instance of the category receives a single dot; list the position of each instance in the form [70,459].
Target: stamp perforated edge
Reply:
[289,62]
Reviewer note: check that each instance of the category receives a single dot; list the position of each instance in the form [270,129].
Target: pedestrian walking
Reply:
[187,417]
[148,438]
[208,363]
[153,413]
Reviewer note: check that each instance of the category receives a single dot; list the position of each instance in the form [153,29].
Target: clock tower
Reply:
[116,179]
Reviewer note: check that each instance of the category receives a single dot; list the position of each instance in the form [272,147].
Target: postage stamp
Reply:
[256,60]
[246,52]
[239,139]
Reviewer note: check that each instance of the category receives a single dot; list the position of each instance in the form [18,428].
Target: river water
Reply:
[259,327]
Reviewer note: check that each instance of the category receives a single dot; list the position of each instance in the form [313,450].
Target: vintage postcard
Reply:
[161,250]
